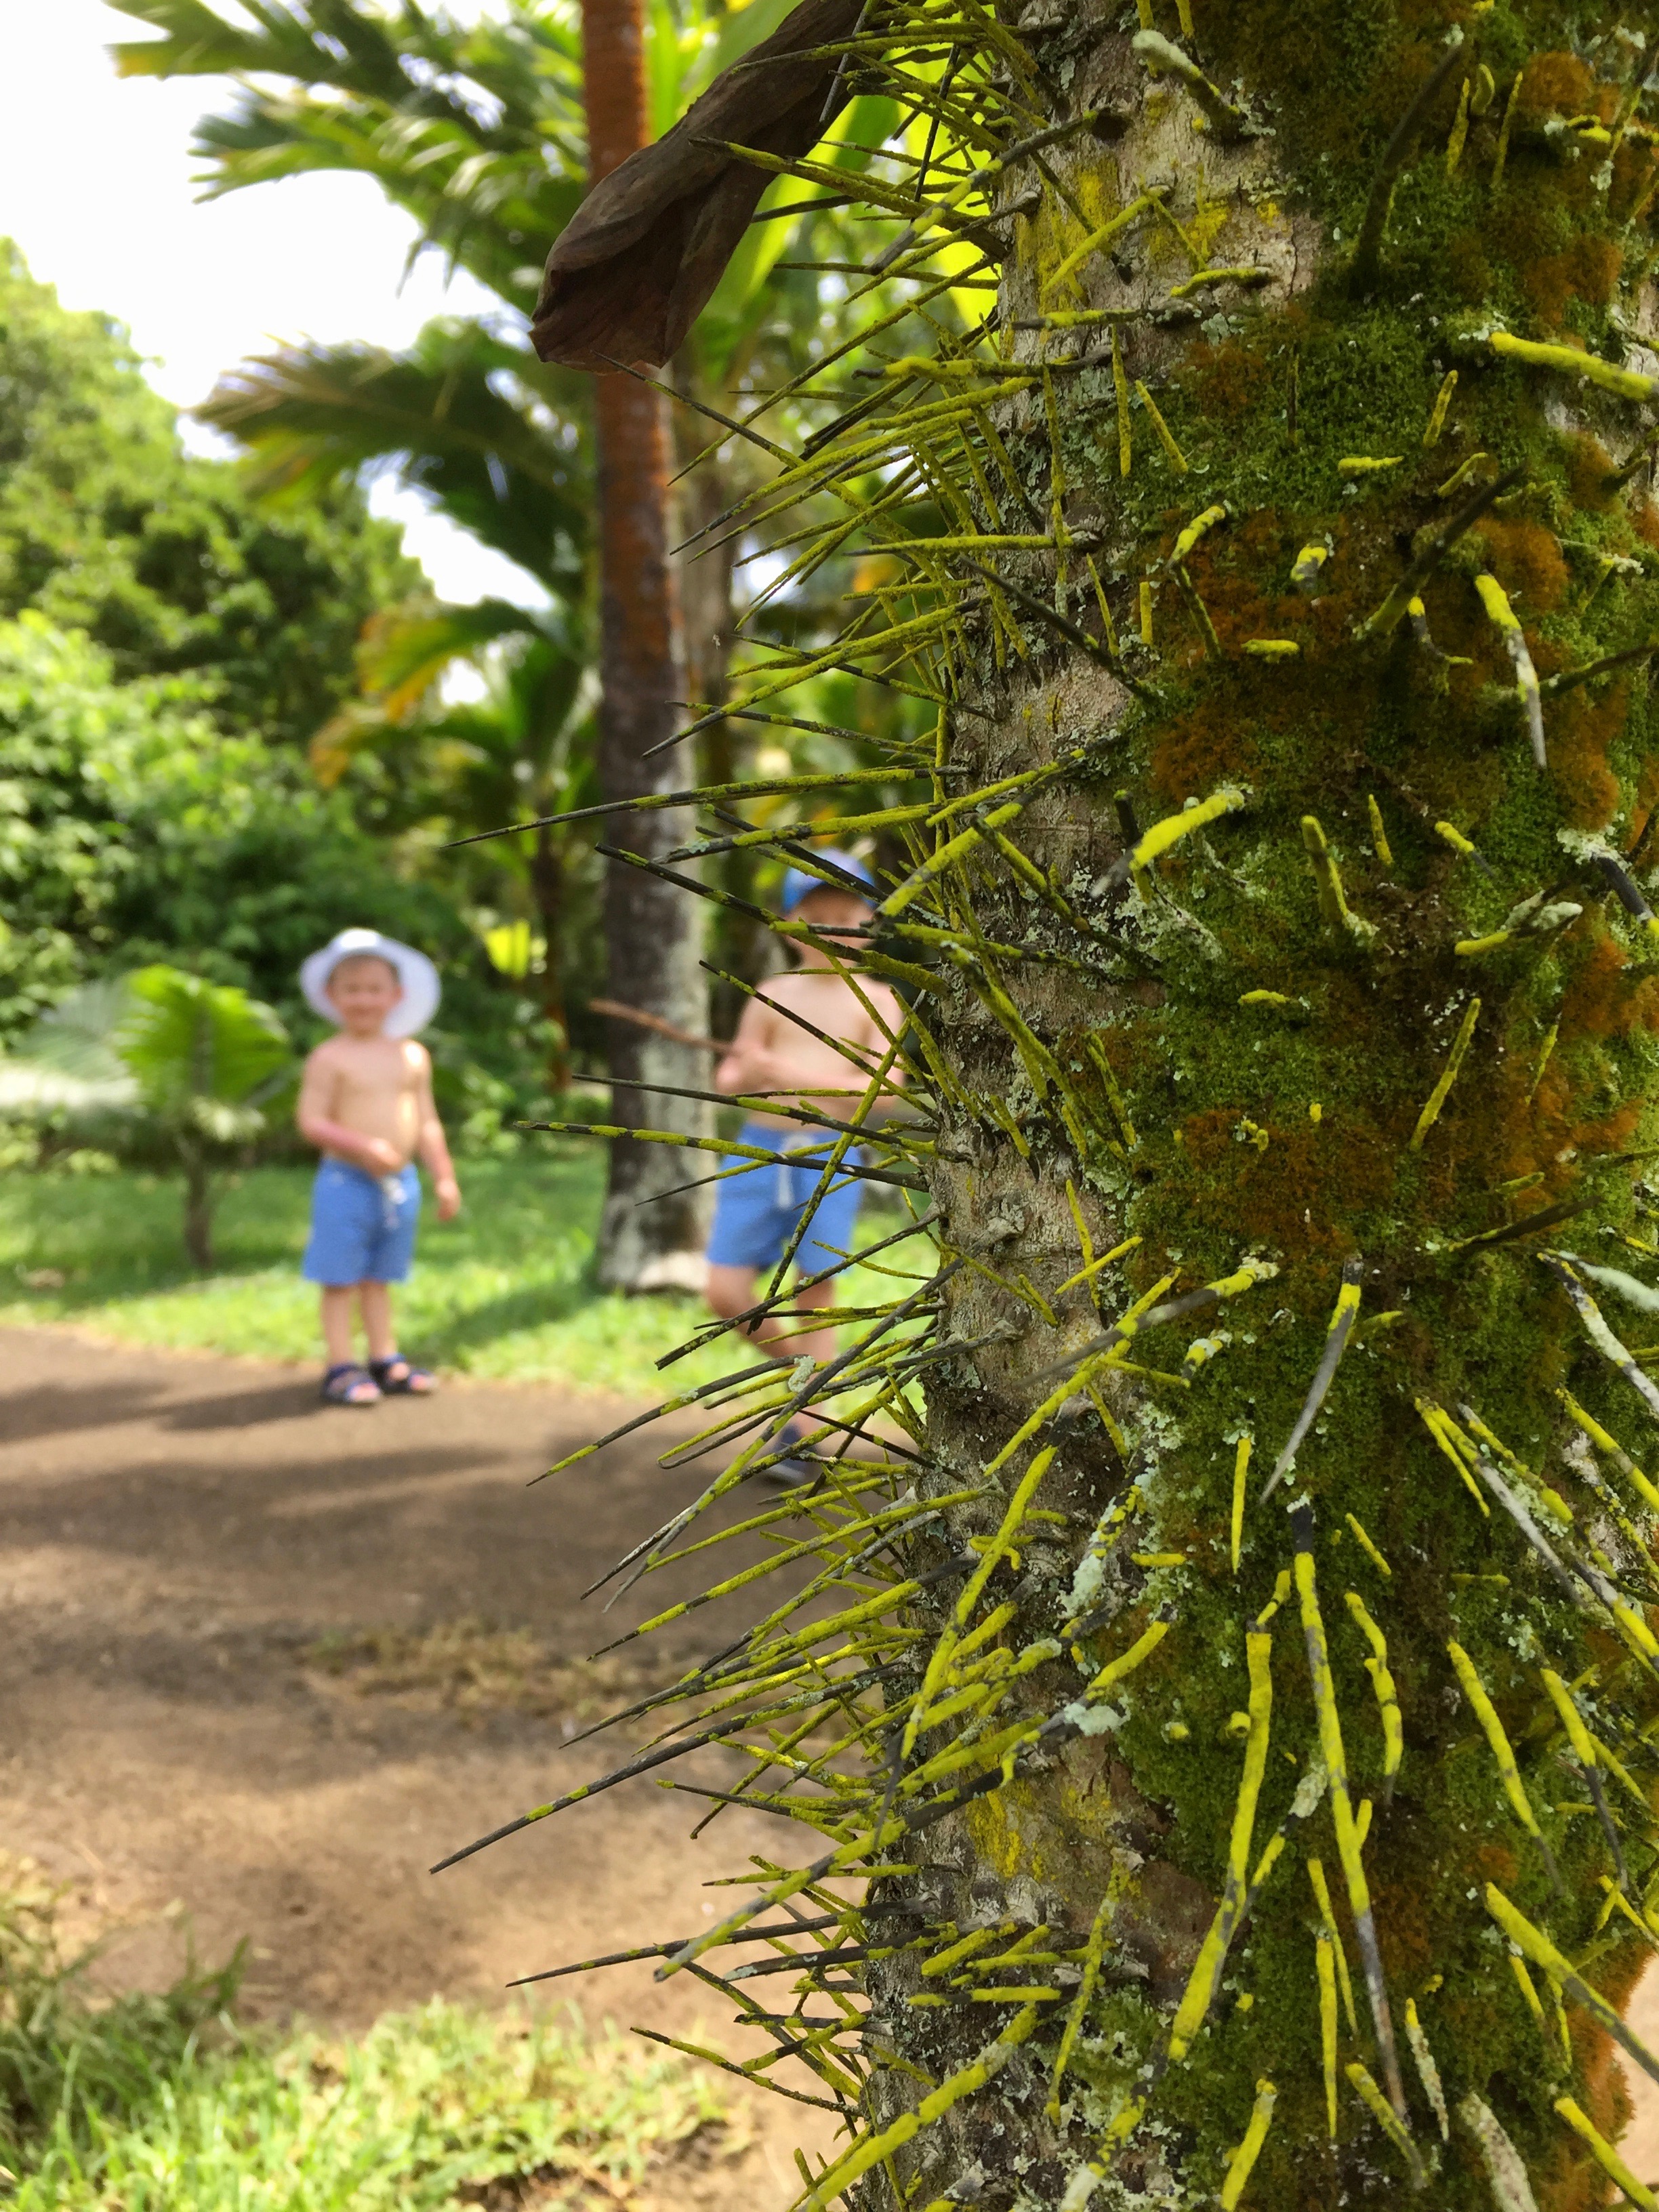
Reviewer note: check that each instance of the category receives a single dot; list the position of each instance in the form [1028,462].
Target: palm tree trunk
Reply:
[653,931]
[547,889]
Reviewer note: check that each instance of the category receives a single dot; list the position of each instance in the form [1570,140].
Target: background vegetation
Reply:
[505,1291]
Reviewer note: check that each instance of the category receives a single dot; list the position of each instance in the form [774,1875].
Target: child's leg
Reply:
[377,1319]
[732,1290]
[396,1375]
[337,1323]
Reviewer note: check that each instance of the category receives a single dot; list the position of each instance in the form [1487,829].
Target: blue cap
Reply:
[798,885]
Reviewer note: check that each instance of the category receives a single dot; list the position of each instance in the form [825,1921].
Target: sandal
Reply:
[800,1469]
[413,1383]
[349,1385]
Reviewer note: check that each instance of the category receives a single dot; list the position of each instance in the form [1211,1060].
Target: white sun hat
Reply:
[419,978]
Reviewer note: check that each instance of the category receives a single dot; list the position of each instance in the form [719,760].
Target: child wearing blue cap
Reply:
[806,1039]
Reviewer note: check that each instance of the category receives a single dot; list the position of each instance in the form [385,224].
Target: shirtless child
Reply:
[366,1103]
[757,1212]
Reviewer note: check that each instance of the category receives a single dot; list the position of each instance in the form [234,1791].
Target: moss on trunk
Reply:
[1294,480]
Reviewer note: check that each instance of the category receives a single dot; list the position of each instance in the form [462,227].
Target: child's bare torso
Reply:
[832,1005]
[371,1084]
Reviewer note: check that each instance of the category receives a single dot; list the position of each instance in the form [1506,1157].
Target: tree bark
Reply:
[1257,1066]
[653,931]
[1289,1047]
[547,890]
[198,1208]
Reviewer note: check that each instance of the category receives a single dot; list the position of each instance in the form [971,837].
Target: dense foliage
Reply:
[171,642]
[107,524]
[132,830]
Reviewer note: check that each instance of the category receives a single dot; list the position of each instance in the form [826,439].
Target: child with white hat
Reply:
[366,1103]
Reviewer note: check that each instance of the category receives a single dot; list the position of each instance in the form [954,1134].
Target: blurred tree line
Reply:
[234,717]
[169,648]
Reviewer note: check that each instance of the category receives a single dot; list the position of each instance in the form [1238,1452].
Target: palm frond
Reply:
[494,459]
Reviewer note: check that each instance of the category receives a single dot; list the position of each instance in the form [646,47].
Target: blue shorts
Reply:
[757,1212]
[362,1226]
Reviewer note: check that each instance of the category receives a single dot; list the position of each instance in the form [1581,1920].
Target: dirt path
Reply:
[248,1677]
[180,1535]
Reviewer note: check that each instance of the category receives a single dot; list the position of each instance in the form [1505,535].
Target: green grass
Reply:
[506,1291]
[163,2104]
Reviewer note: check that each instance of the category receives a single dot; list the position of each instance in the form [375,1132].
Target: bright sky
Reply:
[95,186]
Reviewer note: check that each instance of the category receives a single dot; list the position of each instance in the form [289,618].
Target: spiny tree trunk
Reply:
[1261,1803]
[653,931]
[1313,967]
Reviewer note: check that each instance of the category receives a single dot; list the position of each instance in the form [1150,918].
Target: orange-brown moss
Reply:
[1588,270]
[1528,560]
[1599,1000]
[1197,749]
[1404,1935]
[1556,81]
[1591,467]
[1262,1196]
[1582,735]
[1226,378]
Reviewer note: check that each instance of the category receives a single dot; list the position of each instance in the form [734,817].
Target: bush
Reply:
[132,831]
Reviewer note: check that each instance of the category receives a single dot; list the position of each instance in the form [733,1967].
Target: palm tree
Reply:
[478,132]
[160,1061]
[493,438]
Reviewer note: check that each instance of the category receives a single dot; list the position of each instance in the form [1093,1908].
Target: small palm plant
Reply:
[169,1062]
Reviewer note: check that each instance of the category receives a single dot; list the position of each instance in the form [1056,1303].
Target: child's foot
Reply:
[397,1379]
[800,1470]
[349,1385]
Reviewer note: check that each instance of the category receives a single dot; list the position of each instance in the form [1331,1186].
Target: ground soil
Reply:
[266,1662]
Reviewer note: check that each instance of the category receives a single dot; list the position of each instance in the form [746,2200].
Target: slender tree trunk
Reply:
[198,1208]
[653,931]
[547,889]
[706,576]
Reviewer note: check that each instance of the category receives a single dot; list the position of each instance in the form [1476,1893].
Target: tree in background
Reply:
[653,954]
[135,830]
[1233,1764]
[488,435]
[107,525]
[476,130]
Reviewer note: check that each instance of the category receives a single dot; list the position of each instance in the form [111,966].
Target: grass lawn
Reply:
[165,2104]
[506,1292]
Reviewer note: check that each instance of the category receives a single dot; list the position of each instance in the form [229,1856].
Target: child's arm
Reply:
[894,1015]
[314,1116]
[753,1066]
[433,1147]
